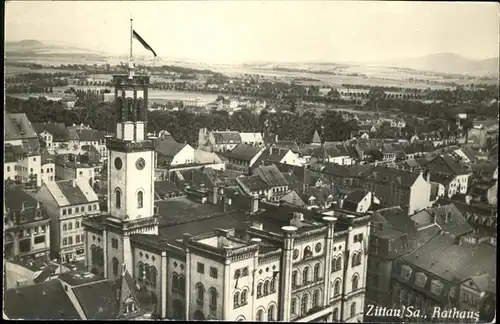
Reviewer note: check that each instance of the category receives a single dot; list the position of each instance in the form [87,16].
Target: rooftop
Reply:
[18,126]
[243,152]
[71,192]
[77,278]
[57,130]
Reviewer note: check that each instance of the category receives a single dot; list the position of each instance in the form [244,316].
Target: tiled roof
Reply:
[456,224]
[444,258]
[18,126]
[446,163]
[293,198]
[402,177]
[57,130]
[165,189]
[271,175]
[227,137]
[253,183]
[322,195]
[168,148]
[13,200]
[90,135]
[356,196]
[45,301]
[243,152]
[98,300]
[66,194]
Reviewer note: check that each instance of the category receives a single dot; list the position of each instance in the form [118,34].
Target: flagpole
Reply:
[130,67]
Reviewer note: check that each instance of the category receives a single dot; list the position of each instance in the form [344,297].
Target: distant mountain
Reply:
[34,48]
[447,63]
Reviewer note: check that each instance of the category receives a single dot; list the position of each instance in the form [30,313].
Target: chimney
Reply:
[73,183]
[186,237]
[254,205]
[276,138]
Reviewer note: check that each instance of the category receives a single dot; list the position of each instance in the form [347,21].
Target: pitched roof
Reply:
[169,148]
[446,163]
[315,138]
[90,135]
[98,300]
[356,196]
[402,177]
[18,126]
[67,194]
[243,152]
[57,130]
[321,195]
[14,197]
[253,183]
[227,137]
[45,301]
[166,189]
[271,175]
[293,198]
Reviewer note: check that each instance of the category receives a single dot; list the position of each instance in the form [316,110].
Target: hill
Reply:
[29,48]
[448,63]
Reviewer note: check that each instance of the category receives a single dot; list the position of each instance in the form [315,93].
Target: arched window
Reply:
[295,277]
[293,306]
[358,259]
[354,258]
[316,298]
[353,309]
[334,264]
[305,275]
[153,273]
[115,266]
[118,198]
[145,274]
[140,269]
[259,290]
[355,282]
[336,289]
[335,314]
[307,252]
[140,199]
[213,298]
[304,304]
[316,271]
[182,285]
[236,299]
[200,293]
[244,296]
[175,282]
[270,313]
[260,315]
[338,264]
[266,288]
[273,285]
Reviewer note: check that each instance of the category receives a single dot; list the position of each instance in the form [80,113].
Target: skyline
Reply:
[301,32]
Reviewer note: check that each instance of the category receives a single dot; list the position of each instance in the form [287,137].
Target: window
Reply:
[77,239]
[436,287]
[316,298]
[295,276]
[244,295]
[118,198]
[140,199]
[95,207]
[259,290]
[355,282]
[316,272]
[405,272]
[236,300]
[335,314]
[200,293]
[303,306]
[70,226]
[420,279]
[70,240]
[270,313]
[77,210]
[245,272]
[260,315]
[293,307]
[213,272]
[182,285]
[273,285]
[115,266]
[305,275]
[65,227]
[114,243]
[201,268]
[307,252]
[336,289]
[39,239]
[175,282]
[70,211]
[353,309]
[213,299]
[8,169]
[77,224]
[266,288]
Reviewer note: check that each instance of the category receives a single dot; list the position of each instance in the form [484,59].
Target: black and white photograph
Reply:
[260,161]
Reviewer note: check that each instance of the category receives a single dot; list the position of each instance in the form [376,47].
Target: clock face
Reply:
[295,254]
[140,164]
[118,163]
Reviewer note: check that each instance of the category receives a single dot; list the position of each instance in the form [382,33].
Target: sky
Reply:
[251,31]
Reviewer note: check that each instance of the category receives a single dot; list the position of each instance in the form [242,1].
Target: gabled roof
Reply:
[253,183]
[57,130]
[321,195]
[226,137]
[446,163]
[315,138]
[169,148]
[14,197]
[293,198]
[18,126]
[45,301]
[243,152]
[401,177]
[71,192]
[271,175]
[456,224]
[356,196]
[98,300]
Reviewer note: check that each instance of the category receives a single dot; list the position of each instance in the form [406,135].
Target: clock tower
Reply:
[131,159]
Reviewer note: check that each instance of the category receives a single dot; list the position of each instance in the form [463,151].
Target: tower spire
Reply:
[131,59]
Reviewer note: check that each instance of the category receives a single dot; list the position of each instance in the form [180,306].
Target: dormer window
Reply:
[436,287]
[420,279]
[405,272]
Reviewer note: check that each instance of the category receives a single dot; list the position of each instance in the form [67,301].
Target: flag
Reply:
[143,42]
